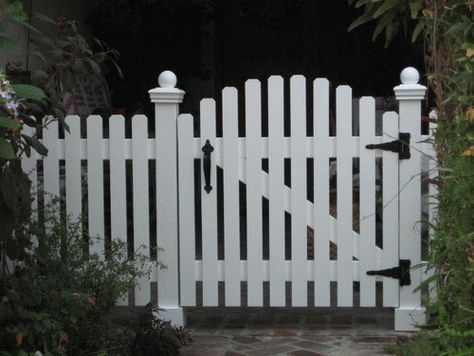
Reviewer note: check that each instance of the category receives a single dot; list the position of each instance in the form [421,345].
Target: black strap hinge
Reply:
[402,272]
[400,146]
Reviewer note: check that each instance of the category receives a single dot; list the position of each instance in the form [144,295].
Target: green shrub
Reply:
[153,336]
[59,298]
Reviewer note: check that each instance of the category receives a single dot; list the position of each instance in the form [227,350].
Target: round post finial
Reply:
[167,79]
[409,75]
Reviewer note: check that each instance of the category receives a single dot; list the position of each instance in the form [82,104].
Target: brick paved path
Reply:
[284,331]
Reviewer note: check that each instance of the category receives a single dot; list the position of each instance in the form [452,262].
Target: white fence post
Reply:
[410,312]
[167,99]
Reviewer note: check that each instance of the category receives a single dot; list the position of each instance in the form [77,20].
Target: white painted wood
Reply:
[141,214]
[187,232]
[197,152]
[321,192]
[118,194]
[51,162]
[209,209]
[231,196]
[276,192]
[410,312]
[166,100]
[73,167]
[253,119]
[299,285]
[265,267]
[95,185]
[390,209]
[367,201]
[344,195]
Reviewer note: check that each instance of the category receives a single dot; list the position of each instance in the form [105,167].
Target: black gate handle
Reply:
[207,149]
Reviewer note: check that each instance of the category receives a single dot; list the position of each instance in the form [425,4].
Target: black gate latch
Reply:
[402,272]
[401,146]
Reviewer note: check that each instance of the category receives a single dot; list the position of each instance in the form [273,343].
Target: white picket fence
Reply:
[175,149]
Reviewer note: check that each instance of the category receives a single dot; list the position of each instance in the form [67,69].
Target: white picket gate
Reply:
[175,149]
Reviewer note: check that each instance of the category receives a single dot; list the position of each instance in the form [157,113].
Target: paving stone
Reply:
[313,346]
[246,339]
[377,339]
[305,353]
[274,350]
[271,341]
[319,338]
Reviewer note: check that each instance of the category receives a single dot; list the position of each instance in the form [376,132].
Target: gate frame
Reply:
[167,98]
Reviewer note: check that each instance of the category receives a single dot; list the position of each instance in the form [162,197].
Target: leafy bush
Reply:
[153,336]
[59,299]
[447,28]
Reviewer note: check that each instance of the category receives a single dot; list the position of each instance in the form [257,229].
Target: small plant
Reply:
[59,299]
[16,106]
[157,337]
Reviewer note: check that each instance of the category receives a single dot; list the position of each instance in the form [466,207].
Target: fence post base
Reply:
[409,319]
[175,315]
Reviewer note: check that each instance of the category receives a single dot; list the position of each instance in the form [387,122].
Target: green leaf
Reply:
[9,45]
[415,7]
[29,91]
[418,29]
[359,22]
[386,6]
[362,3]
[9,123]
[16,12]
[36,144]
[6,150]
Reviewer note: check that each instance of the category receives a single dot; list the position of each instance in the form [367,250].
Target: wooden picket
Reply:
[321,224]
[367,198]
[344,196]
[253,153]
[141,215]
[118,199]
[95,184]
[298,192]
[209,210]
[230,152]
[390,231]
[74,170]
[276,192]
[187,246]
[51,162]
